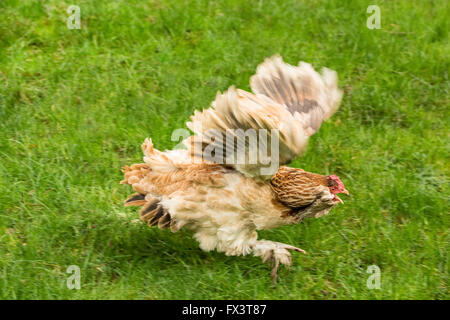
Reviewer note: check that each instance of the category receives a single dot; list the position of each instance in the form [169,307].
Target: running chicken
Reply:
[230,181]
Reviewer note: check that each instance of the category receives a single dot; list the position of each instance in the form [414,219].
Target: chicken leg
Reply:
[276,252]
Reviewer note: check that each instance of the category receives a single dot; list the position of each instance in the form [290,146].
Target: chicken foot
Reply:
[276,252]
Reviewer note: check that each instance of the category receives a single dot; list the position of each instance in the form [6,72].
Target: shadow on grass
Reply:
[154,247]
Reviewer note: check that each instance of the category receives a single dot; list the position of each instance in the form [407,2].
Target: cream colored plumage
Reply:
[225,202]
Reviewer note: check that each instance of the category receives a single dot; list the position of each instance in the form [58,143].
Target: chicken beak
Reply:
[345,192]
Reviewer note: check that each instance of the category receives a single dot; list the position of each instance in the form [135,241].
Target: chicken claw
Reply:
[278,253]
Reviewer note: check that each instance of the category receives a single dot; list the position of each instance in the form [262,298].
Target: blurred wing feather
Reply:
[309,96]
[290,103]
[233,113]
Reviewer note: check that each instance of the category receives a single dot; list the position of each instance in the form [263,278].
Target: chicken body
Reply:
[224,186]
[222,206]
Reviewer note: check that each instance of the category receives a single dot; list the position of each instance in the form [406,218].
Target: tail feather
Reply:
[141,177]
[155,214]
[164,221]
[136,199]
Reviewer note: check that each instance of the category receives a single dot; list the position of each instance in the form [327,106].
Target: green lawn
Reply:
[75,105]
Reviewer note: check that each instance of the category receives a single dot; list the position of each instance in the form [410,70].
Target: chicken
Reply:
[231,180]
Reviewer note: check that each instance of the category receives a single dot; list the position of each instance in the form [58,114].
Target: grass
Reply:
[75,105]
